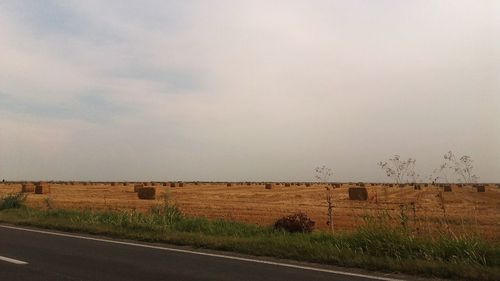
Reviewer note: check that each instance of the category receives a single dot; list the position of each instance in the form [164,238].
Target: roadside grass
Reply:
[12,201]
[373,246]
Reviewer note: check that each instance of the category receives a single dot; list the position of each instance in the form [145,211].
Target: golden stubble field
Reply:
[463,210]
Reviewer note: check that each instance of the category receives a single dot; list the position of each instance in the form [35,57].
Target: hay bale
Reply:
[358,193]
[446,188]
[417,187]
[147,193]
[287,184]
[42,189]
[173,184]
[481,188]
[308,184]
[229,184]
[28,187]
[269,185]
[181,184]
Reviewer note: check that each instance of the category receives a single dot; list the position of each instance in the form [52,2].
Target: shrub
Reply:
[298,222]
[12,201]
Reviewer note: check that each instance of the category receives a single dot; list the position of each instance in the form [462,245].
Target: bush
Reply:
[12,201]
[298,222]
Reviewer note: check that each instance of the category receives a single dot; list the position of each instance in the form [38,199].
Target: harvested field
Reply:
[466,209]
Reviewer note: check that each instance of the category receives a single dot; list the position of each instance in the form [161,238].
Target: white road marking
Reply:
[12,260]
[205,254]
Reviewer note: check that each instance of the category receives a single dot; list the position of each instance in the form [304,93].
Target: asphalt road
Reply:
[63,256]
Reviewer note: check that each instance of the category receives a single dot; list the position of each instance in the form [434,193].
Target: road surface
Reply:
[34,254]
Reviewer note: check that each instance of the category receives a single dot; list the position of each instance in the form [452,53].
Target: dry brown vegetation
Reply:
[424,208]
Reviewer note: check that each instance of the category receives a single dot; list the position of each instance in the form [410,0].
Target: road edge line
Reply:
[14,261]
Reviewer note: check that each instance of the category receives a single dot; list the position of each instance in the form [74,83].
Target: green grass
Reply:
[374,246]
[12,201]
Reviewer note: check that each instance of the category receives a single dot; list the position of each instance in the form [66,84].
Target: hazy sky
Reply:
[245,90]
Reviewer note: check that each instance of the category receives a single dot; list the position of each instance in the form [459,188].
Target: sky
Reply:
[246,90]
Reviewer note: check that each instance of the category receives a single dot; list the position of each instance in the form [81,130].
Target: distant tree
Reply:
[399,170]
[323,175]
[461,167]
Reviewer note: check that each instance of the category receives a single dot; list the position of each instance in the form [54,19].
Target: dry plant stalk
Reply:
[442,204]
[329,201]
[323,174]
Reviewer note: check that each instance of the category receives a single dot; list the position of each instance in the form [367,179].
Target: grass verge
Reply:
[373,247]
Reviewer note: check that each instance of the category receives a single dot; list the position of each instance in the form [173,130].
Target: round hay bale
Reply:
[229,184]
[181,184]
[287,184]
[173,184]
[358,193]
[269,185]
[147,193]
[42,189]
[481,188]
[446,187]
